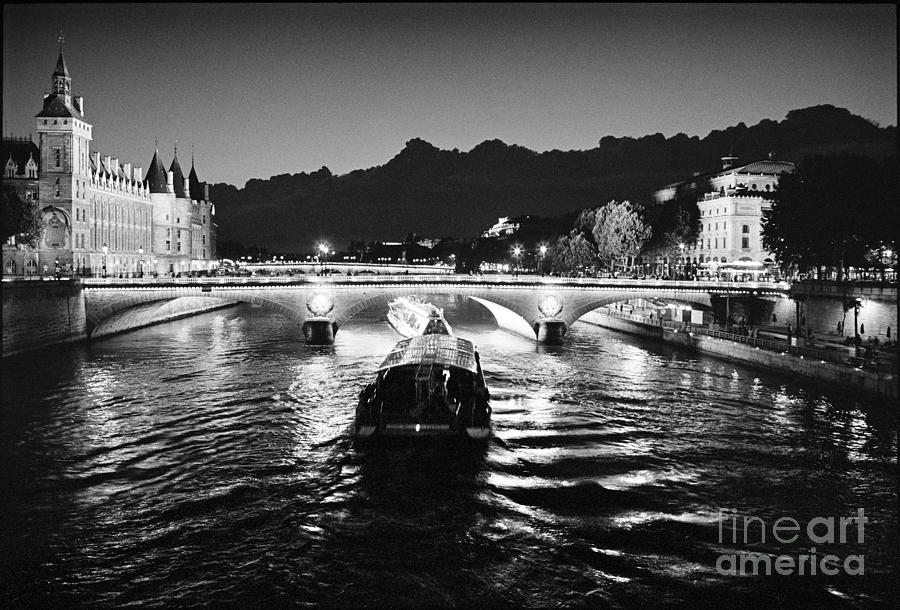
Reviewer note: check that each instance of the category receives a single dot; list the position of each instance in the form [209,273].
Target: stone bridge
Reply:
[537,308]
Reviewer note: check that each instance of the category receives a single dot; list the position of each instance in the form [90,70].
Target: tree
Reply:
[832,211]
[620,232]
[572,252]
[683,233]
[21,218]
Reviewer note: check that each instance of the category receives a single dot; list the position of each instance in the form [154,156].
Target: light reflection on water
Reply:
[210,460]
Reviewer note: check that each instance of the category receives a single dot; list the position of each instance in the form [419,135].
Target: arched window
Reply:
[10,267]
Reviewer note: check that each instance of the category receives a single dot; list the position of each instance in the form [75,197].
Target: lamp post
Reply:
[105,252]
[323,250]
[56,267]
[141,268]
[681,259]
[543,250]
[517,254]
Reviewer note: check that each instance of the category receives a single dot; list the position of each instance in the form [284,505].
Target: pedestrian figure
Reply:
[840,328]
[862,329]
[889,332]
[774,317]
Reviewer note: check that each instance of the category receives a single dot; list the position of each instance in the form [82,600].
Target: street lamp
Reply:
[105,252]
[141,253]
[681,260]
[543,250]
[517,253]
[323,250]
[56,267]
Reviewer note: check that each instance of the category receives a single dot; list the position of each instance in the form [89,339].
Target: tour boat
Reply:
[411,316]
[428,385]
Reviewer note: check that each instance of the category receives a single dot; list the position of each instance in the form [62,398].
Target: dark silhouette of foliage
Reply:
[833,211]
[438,192]
[20,218]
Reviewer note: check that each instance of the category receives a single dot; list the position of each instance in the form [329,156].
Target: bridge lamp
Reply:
[517,253]
[105,252]
[141,253]
[323,250]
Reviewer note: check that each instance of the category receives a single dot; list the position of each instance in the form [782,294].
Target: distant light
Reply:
[417,427]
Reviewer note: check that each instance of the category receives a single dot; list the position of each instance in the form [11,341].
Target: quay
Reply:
[827,360]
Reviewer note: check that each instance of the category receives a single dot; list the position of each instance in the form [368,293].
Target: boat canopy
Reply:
[445,350]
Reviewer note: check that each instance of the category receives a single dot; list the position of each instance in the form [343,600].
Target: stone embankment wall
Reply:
[840,376]
[41,313]
[38,314]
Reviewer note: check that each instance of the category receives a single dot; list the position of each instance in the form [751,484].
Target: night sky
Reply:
[269,89]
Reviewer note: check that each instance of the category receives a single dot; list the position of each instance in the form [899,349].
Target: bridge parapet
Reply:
[544,307]
[844,290]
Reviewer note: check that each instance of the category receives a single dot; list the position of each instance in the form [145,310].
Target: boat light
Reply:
[417,427]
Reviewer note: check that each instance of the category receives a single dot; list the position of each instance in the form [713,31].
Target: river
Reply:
[209,461]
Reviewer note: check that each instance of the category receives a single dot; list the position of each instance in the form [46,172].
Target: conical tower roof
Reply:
[156,179]
[177,177]
[61,69]
[194,184]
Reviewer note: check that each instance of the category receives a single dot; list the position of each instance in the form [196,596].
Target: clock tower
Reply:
[64,139]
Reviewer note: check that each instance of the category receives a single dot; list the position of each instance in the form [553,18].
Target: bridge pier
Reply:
[319,331]
[550,331]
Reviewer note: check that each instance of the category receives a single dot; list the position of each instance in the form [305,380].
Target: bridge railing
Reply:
[531,280]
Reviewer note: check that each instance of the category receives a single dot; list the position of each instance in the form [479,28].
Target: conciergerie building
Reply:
[101,216]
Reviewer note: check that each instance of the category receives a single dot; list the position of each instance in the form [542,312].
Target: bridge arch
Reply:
[574,313]
[509,315]
[96,316]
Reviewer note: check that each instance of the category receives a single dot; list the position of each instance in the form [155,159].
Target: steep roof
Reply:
[196,187]
[177,177]
[20,149]
[56,106]
[157,179]
[61,69]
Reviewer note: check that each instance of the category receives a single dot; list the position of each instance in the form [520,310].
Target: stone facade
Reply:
[102,217]
[731,209]
[40,314]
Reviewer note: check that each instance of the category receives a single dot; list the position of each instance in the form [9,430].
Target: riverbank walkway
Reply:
[881,357]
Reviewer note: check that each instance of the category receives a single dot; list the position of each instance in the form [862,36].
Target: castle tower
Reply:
[182,211]
[203,234]
[163,198]
[64,139]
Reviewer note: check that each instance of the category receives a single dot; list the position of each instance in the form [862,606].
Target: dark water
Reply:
[208,461]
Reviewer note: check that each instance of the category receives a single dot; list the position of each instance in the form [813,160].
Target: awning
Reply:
[742,265]
[443,350]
